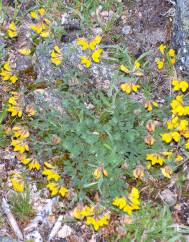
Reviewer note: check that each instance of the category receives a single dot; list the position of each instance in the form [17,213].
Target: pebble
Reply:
[126,29]
[64,232]
[168,197]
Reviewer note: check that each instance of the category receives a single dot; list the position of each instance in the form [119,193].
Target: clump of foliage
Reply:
[21,206]
[152,224]
[105,134]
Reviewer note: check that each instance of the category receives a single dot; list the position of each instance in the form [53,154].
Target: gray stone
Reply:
[126,29]
[168,197]
[47,72]
[7,239]
[181,34]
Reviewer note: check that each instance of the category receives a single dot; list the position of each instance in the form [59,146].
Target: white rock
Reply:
[64,232]
[34,236]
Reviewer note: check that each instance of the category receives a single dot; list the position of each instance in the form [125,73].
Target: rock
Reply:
[47,99]
[47,72]
[168,197]
[34,236]
[7,239]
[2,49]
[65,231]
[23,63]
[126,29]
[181,34]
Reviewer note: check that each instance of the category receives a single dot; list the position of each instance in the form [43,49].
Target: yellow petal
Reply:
[24,51]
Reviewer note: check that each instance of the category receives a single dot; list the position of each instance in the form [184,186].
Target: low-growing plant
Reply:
[152,224]
[95,133]
[21,206]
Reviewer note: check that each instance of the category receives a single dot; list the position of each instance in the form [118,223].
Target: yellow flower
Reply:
[180,85]
[42,27]
[23,159]
[162,48]
[7,73]
[124,69]
[51,174]
[184,86]
[24,51]
[175,136]
[167,171]
[85,61]
[173,60]
[42,11]
[56,56]
[160,64]
[187,144]
[179,158]
[20,145]
[129,87]
[119,202]
[12,30]
[96,41]
[15,110]
[83,43]
[173,123]
[96,55]
[48,165]
[98,172]
[34,164]
[171,53]
[136,65]
[17,183]
[97,223]
[53,187]
[77,212]
[87,211]
[150,104]
[128,209]
[155,159]
[34,14]
[20,131]
[63,191]
[134,193]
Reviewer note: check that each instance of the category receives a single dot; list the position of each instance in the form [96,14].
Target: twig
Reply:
[55,228]
[40,216]
[11,219]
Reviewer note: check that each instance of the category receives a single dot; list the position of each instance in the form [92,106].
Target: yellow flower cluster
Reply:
[15,104]
[95,55]
[7,73]
[129,87]
[12,30]
[42,26]
[97,223]
[31,162]
[56,56]
[149,104]
[56,189]
[50,172]
[130,205]
[17,182]
[155,159]
[169,54]
[87,212]
[136,71]
[20,134]
[180,85]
